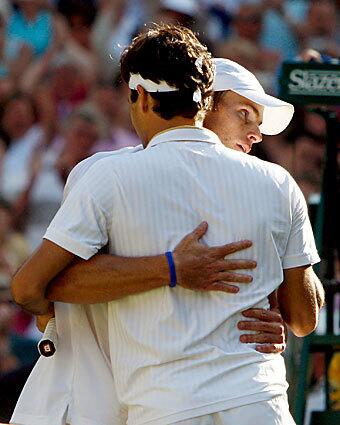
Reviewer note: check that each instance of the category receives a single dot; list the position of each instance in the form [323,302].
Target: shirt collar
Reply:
[186,133]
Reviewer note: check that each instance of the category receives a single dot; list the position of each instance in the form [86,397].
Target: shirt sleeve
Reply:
[301,249]
[82,224]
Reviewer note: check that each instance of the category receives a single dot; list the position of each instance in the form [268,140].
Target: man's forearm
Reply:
[106,277]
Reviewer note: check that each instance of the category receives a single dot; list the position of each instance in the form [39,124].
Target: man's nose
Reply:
[254,136]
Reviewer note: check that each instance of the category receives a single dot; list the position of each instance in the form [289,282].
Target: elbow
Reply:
[22,293]
[301,331]
[304,325]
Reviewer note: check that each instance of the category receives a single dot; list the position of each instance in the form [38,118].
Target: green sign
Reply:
[310,83]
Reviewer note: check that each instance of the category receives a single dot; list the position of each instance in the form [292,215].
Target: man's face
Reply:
[236,121]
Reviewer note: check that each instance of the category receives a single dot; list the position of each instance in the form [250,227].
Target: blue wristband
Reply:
[172,269]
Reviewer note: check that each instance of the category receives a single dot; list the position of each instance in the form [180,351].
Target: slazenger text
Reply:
[318,82]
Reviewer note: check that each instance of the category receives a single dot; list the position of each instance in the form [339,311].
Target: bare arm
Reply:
[300,298]
[119,277]
[107,277]
[29,284]
[104,277]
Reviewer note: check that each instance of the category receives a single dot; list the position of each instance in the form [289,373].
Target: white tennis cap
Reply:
[230,75]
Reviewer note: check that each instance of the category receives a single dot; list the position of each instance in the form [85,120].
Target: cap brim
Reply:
[277,114]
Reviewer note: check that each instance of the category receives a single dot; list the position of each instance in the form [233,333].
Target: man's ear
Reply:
[144,98]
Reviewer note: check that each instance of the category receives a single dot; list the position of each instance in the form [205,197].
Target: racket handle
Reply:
[47,346]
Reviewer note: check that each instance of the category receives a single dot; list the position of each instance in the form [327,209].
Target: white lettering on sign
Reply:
[314,82]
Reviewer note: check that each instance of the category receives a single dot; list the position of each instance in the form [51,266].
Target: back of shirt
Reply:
[176,353]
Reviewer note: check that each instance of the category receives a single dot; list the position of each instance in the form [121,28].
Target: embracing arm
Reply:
[105,277]
[101,279]
[54,274]
[301,297]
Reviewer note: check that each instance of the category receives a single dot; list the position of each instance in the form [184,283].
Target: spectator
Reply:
[13,252]
[72,39]
[68,67]
[190,14]
[80,134]
[13,248]
[80,22]
[68,85]
[116,22]
[321,29]
[16,351]
[307,166]
[219,19]
[28,180]
[245,45]
[177,11]
[29,29]
[279,28]
[62,79]
[18,122]
[107,100]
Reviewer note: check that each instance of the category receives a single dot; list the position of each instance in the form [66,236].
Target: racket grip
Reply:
[47,346]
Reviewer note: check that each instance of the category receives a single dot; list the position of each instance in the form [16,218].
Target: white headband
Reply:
[162,87]
[148,85]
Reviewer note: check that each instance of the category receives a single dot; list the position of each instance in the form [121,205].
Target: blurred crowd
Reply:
[61,100]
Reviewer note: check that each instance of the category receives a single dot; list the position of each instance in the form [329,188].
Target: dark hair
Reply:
[169,53]
[216,99]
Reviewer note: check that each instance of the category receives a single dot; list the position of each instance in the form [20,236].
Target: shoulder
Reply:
[98,159]
[269,177]
[98,164]
[270,170]
[258,168]
[283,182]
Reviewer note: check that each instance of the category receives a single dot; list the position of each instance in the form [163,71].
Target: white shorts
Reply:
[270,412]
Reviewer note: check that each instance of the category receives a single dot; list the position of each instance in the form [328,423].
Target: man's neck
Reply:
[160,125]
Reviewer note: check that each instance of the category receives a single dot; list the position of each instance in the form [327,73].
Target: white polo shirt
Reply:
[176,353]
[75,385]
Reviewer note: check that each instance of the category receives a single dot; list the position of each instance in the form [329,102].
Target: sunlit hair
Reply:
[173,54]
